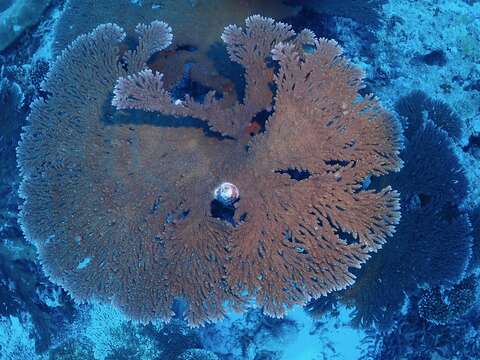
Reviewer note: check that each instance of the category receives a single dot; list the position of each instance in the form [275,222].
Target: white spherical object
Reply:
[226,193]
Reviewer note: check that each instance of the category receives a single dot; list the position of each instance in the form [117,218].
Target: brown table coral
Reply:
[127,210]
[197,25]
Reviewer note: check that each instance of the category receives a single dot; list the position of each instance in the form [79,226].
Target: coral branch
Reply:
[125,207]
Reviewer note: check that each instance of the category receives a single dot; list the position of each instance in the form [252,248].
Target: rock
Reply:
[198,354]
[19,16]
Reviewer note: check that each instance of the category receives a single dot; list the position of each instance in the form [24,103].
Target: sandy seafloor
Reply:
[38,320]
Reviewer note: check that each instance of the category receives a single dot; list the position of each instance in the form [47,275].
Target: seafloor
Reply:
[417,298]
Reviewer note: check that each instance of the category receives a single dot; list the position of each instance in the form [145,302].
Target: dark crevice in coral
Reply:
[435,57]
[473,145]
[347,237]
[295,174]
[217,53]
[186,47]
[425,199]
[155,205]
[176,216]
[123,63]
[138,117]
[224,212]
[342,163]
[258,124]
[188,86]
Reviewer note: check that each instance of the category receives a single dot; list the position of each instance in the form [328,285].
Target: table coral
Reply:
[197,27]
[120,204]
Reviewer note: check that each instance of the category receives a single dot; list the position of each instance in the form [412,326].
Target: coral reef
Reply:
[414,337]
[475,218]
[411,32]
[112,200]
[366,12]
[32,294]
[431,46]
[257,267]
[441,306]
[417,104]
[432,186]
[198,354]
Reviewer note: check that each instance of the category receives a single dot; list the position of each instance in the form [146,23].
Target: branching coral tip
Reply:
[226,193]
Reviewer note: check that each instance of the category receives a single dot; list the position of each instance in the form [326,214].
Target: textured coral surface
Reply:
[409,284]
[120,205]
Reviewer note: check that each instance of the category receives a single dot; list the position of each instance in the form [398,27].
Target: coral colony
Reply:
[185,180]
[143,206]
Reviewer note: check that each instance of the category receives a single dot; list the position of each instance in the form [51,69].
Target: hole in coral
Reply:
[84,263]
[258,123]
[337,162]
[271,64]
[424,199]
[186,47]
[188,86]
[243,217]
[184,214]
[350,144]
[309,49]
[233,72]
[345,236]
[288,236]
[179,307]
[435,57]
[473,146]
[301,250]
[176,216]
[155,205]
[295,243]
[224,212]
[138,117]
[295,174]
[418,201]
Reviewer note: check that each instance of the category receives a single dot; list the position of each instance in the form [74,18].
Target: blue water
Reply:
[344,228]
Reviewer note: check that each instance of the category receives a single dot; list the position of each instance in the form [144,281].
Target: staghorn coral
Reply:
[121,205]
